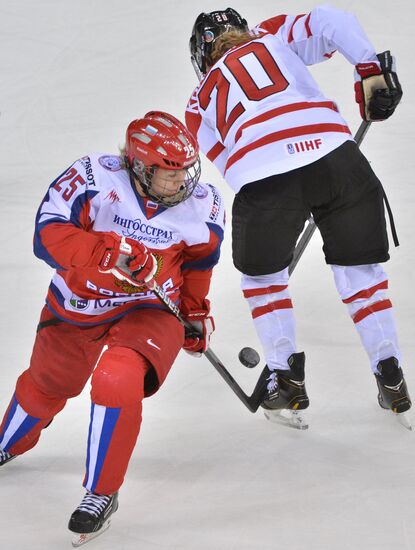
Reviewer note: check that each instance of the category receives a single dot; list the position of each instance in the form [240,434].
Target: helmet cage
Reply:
[145,174]
[207,28]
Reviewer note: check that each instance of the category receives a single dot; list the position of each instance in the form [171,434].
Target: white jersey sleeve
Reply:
[315,36]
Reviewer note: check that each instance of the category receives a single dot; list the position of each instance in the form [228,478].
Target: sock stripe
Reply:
[273,306]
[373,308]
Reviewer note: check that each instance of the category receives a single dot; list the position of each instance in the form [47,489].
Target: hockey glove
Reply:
[197,341]
[128,260]
[377,87]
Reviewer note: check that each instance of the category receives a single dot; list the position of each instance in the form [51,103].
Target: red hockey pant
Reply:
[141,349]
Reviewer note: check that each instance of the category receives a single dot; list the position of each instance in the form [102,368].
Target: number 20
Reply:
[217,80]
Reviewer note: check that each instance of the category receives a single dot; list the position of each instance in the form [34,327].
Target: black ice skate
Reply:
[5,457]
[393,393]
[286,392]
[92,517]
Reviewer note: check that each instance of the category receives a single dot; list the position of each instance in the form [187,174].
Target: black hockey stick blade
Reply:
[251,402]
[311,227]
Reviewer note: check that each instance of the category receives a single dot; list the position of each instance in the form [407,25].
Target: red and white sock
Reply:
[363,290]
[272,312]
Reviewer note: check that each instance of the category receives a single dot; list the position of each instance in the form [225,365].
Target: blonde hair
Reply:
[228,40]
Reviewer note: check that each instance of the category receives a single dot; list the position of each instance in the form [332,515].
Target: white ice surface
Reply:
[206,473]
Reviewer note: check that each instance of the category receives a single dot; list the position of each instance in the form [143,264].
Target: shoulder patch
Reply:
[110,162]
[200,192]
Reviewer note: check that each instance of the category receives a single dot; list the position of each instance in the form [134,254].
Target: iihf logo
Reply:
[304,146]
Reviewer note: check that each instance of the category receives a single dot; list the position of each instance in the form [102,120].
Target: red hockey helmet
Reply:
[159,140]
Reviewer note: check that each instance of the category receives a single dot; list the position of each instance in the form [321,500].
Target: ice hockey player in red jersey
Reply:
[286,151]
[108,225]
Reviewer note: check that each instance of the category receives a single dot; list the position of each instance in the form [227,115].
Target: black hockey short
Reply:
[342,193]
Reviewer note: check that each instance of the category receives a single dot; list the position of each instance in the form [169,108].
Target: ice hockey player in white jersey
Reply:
[286,151]
[108,225]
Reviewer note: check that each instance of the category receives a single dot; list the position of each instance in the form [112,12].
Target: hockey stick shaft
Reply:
[311,227]
[251,402]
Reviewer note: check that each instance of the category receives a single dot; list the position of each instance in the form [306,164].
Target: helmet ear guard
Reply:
[207,28]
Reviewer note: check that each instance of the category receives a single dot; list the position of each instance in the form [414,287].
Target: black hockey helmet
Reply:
[207,27]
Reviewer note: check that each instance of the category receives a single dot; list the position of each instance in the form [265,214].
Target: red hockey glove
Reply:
[128,260]
[197,342]
[377,87]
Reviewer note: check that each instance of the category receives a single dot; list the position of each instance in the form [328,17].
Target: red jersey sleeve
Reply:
[62,231]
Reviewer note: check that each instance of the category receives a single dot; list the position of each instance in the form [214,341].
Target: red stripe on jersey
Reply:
[250,292]
[193,122]
[215,151]
[285,134]
[373,308]
[272,25]
[307,26]
[283,110]
[367,292]
[290,35]
[273,306]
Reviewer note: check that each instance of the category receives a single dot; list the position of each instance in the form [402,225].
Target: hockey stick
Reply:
[251,402]
[311,227]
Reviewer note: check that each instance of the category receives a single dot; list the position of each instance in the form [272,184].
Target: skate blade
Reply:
[79,539]
[403,420]
[286,417]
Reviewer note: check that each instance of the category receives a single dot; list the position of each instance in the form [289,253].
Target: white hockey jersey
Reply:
[259,112]
[96,195]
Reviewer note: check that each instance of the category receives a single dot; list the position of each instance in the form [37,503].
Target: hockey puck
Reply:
[249,357]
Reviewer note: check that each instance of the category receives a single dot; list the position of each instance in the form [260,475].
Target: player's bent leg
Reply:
[29,411]
[272,313]
[363,290]
[117,393]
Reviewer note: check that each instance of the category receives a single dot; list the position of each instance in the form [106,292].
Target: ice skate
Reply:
[393,392]
[5,457]
[92,517]
[287,394]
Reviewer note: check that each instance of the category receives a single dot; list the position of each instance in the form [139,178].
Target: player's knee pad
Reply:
[355,279]
[275,281]
[268,294]
[35,402]
[118,379]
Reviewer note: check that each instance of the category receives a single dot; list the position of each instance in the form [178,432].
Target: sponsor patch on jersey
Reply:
[143,230]
[112,196]
[304,146]
[110,162]
[200,192]
[86,163]
[214,213]
[78,303]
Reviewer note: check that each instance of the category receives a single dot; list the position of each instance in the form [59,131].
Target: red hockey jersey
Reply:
[96,195]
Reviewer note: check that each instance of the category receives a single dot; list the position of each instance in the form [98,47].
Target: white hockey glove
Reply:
[377,87]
